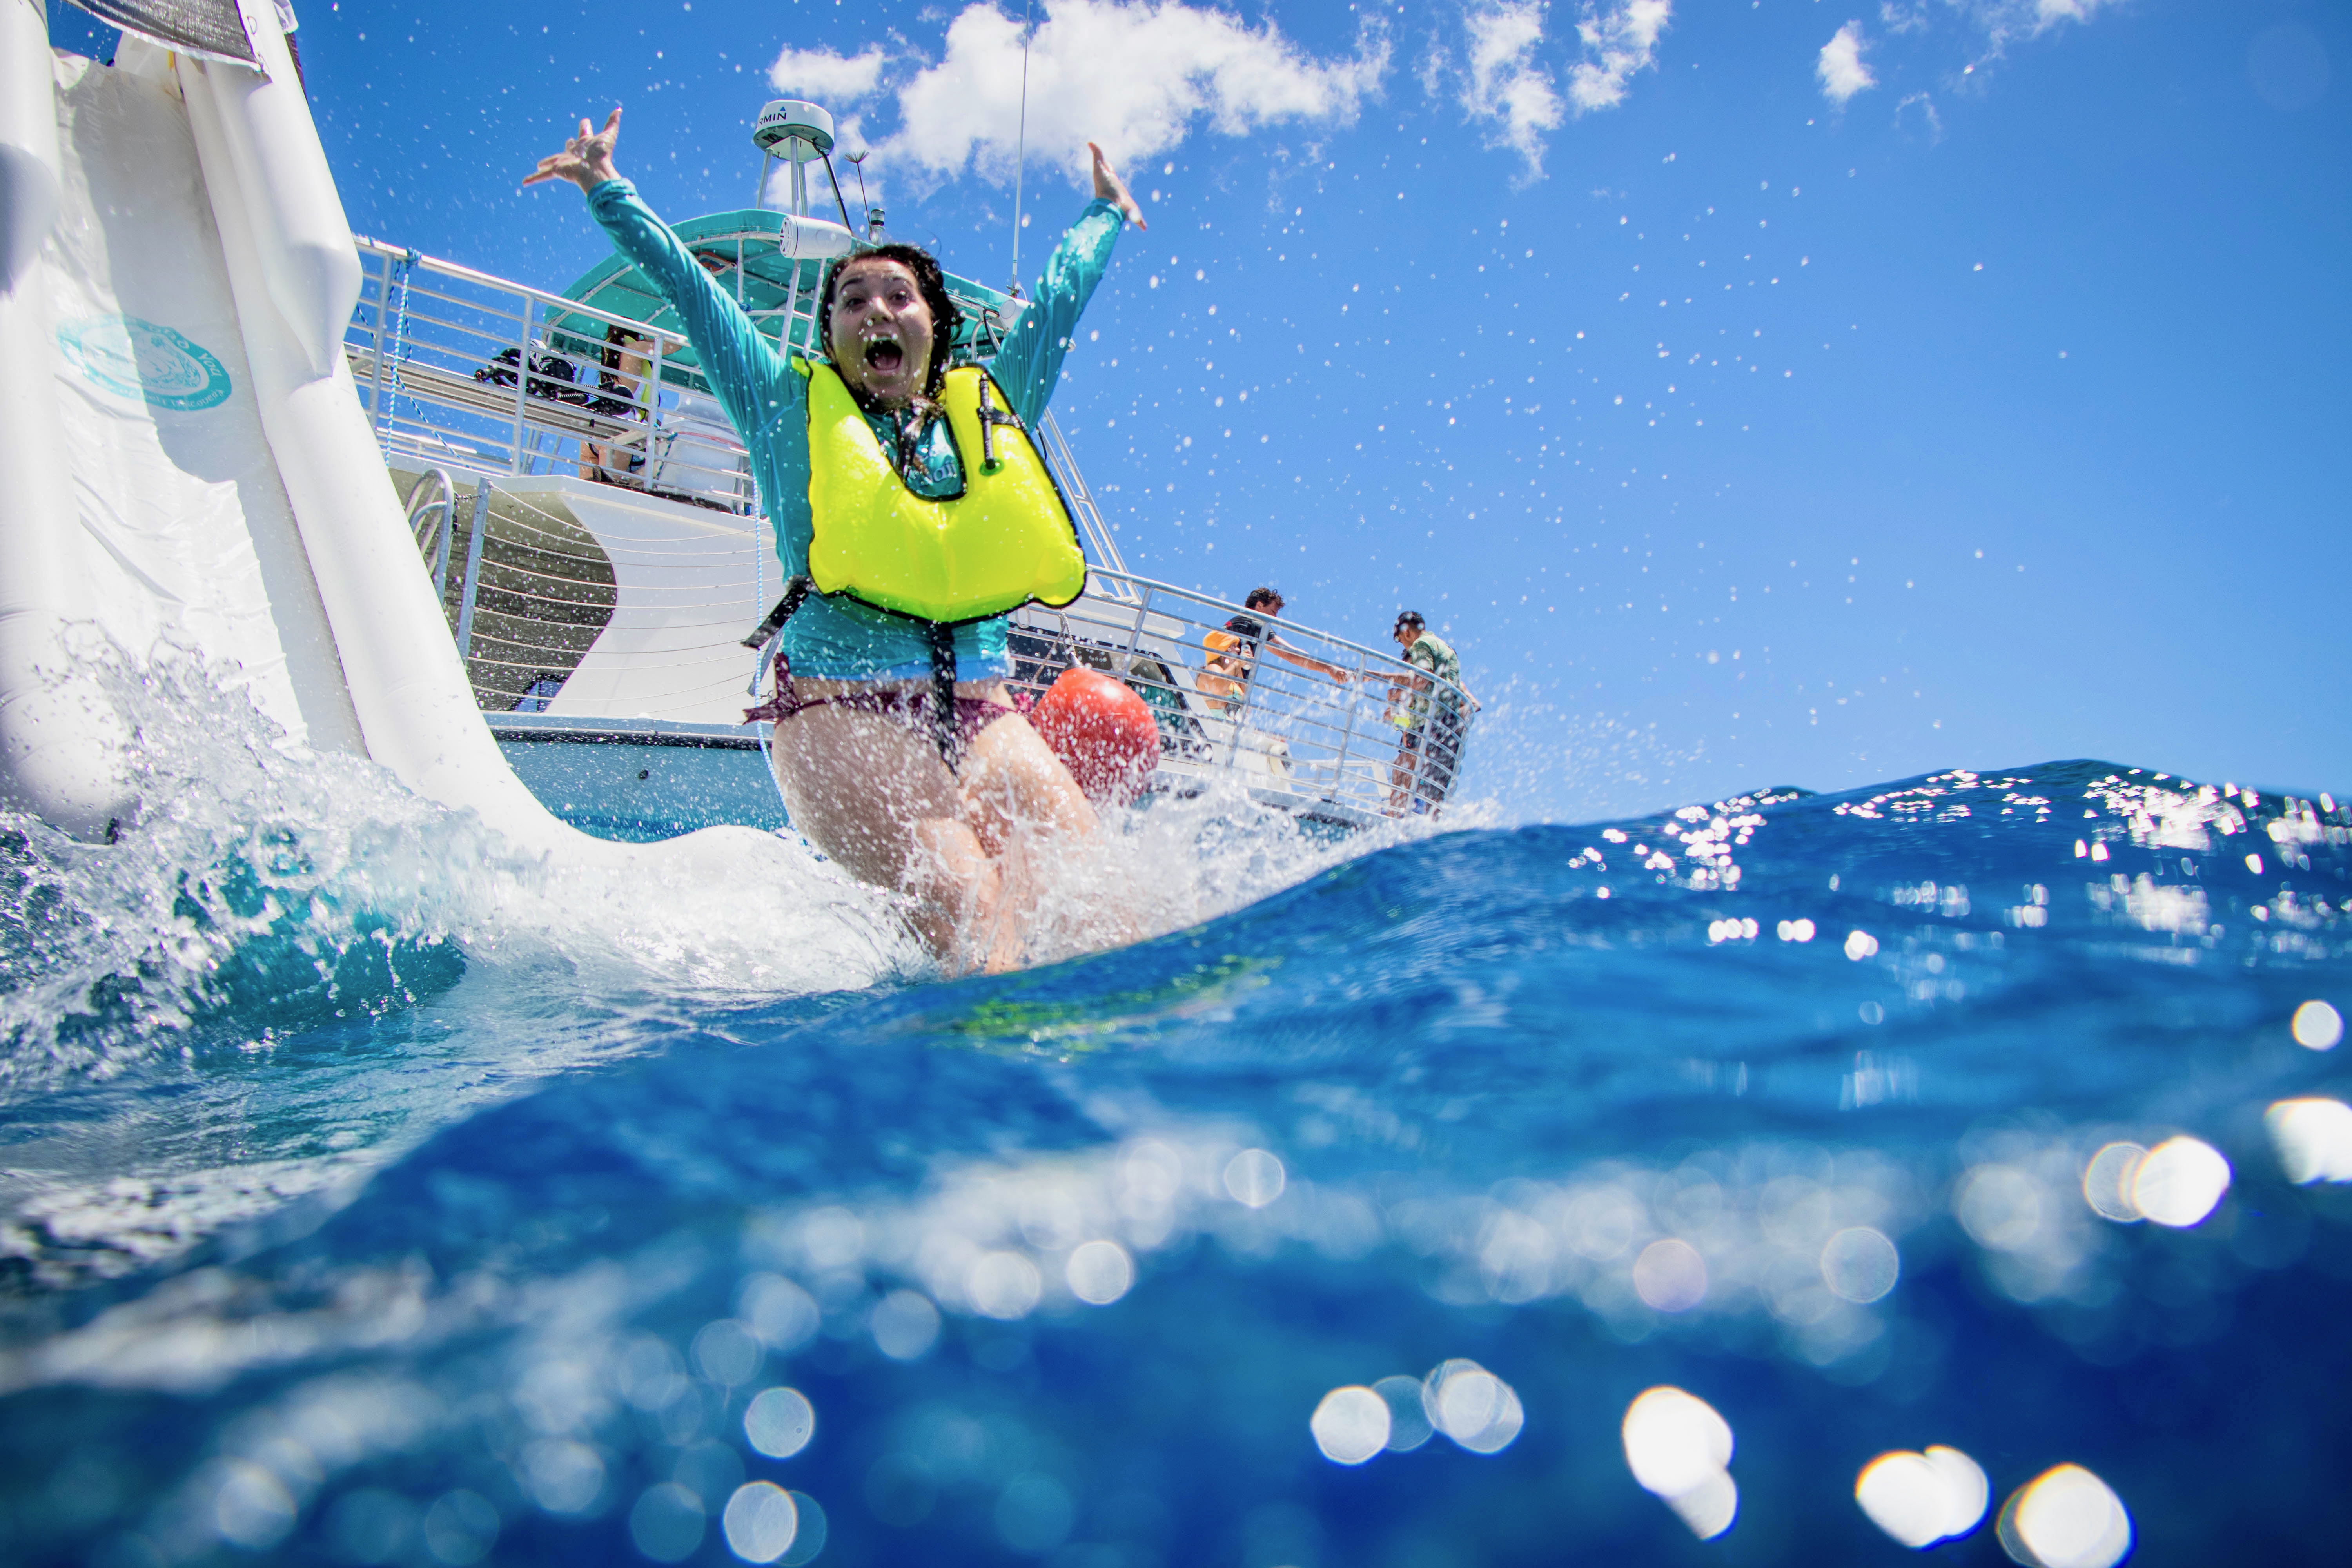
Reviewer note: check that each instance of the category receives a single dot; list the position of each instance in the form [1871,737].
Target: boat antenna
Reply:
[1020,147]
[836,187]
[873,213]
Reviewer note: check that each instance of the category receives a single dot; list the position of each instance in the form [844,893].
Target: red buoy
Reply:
[1103,732]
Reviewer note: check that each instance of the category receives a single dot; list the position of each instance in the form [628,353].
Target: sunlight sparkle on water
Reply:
[2108,1179]
[1350,1424]
[2317,1027]
[1254,1178]
[1670,1276]
[1099,1272]
[779,1422]
[2065,1518]
[1472,1406]
[1680,1449]
[903,1325]
[1922,1498]
[760,1521]
[1860,1263]
[1409,1423]
[2180,1182]
[2313,1139]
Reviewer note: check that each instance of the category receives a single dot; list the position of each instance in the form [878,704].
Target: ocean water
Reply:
[369,1196]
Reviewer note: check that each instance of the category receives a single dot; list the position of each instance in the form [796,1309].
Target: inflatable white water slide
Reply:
[182,449]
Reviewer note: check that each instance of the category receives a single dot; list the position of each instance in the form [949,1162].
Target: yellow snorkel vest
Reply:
[1007,541]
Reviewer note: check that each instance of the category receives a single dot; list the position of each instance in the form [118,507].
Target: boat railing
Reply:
[1311,720]
[472,382]
[458,369]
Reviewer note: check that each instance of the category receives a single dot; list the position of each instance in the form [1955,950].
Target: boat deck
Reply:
[595,535]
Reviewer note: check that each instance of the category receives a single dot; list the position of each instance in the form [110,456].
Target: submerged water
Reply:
[374,1197]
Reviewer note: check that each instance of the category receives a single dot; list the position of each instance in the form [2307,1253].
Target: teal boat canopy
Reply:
[773,264]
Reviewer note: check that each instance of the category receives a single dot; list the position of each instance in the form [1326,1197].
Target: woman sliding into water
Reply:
[912,514]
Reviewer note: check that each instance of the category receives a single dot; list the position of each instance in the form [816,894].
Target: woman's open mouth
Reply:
[885,355]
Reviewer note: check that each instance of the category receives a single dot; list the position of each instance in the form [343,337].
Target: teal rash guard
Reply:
[840,640]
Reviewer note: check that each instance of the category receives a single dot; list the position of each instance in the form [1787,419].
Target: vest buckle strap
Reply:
[991,417]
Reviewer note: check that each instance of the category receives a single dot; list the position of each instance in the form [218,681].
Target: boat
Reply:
[574,514]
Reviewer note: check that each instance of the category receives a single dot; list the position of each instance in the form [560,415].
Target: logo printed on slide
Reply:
[133,358]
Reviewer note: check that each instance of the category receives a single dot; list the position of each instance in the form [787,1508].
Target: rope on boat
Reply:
[1020,147]
[402,271]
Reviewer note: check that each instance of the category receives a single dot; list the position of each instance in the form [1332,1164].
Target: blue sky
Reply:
[1798,391]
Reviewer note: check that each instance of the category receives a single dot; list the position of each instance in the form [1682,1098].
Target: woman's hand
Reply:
[1108,186]
[587,159]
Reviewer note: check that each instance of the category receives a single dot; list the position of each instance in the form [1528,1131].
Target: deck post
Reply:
[375,381]
[522,389]
[1348,736]
[473,567]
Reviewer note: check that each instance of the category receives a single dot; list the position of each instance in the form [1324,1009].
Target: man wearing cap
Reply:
[1429,717]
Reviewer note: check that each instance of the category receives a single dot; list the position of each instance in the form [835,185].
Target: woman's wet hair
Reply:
[928,279]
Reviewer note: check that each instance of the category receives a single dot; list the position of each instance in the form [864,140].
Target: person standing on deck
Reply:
[945,807]
[1430,750]
[1233,653]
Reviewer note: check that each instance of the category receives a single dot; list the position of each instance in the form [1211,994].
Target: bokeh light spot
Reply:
[779,1423]
[2180,1182]
[1860,944]
[811,1538]
[1999,1207]
[2313,1139]
[1099,1272]
[1004,1285]
[666,1522]
[252,1509]
[562,1476]
[1922,1498]
[2065,1518]
[728,1352]
[1254,1178]
[760,1521]
[1670,1276]
[1350,1424]
[1860,1263]
[1679,1449]
[460,1528]
[1472,1406]
[1409,1423]
[2317,1027]
[785,1316]
[2107,1182]
[903,1325]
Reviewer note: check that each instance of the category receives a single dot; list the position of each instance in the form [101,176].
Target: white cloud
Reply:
[827,78]
[1926,107]
[1841,68]
[1621,37]
[1900,19]
[1506,85]
[2004,20]
[1137,76]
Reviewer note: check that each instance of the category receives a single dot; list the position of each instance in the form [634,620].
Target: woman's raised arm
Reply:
[1108,186]
[587,159]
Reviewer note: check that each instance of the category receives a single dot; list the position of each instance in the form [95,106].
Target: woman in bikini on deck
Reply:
[947,813]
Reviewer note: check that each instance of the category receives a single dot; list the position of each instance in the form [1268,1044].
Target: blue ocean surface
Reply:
[368,1201]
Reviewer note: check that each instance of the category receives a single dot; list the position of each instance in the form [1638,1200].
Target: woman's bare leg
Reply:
[872,794]
[870,791]
[1024,808]
[1011,778]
